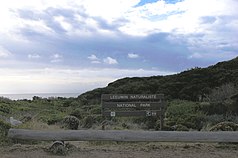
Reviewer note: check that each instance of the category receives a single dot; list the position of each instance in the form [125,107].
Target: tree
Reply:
[220,94]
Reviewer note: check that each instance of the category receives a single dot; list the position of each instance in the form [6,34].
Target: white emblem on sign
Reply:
[113,114]
[148,113]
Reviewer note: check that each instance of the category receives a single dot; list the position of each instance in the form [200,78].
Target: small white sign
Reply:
[153,113]
[113,114]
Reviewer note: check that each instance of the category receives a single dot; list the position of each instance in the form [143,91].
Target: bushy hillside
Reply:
[189,85]
[197,99]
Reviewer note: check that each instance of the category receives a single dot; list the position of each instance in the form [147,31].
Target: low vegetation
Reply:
[198,99]
[4,127]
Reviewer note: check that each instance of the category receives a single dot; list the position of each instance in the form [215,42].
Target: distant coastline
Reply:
[43,95]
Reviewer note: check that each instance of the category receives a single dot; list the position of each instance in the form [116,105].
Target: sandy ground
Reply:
[126,150]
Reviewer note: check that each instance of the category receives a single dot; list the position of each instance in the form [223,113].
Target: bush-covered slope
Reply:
[215,83]
[189,85]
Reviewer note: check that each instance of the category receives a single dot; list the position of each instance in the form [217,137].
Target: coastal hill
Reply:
[198,99]
[192,84]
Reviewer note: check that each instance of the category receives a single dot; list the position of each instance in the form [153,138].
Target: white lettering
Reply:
[143,96]
[126,105]
[145,105]
[115,97]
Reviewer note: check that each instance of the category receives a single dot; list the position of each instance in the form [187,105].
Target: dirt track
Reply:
[127,150]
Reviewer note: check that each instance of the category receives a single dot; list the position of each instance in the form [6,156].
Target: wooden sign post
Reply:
[125,105]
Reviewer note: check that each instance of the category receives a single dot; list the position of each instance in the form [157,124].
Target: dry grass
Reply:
[37,125]
[126,150]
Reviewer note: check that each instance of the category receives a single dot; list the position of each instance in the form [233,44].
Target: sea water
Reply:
[42,95]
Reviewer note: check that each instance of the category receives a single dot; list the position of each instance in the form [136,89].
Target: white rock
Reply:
[15,122]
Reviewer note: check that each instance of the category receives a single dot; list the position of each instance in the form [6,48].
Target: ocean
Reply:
[43,95]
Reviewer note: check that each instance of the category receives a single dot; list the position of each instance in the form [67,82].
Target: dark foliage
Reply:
[88,122]
[190,85]
[71,122]
[4,127]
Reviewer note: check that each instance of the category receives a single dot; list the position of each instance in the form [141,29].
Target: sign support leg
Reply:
[161,122]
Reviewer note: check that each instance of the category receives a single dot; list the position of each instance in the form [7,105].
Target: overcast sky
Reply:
[49,46]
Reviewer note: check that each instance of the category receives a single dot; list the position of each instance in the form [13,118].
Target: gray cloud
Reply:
[70,16]
[49,14]
[208,19]
[169,51]
[113,26]
[28,14]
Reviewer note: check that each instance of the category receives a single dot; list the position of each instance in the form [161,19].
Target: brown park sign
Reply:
[124,105]
[127,105]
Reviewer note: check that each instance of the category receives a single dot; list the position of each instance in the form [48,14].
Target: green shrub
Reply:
[181,128]
[23,108]
[54,119]
[225,126]
[165,126]
[71,122]
[213,108]
[194,121]
[51,116]
[88,121]
[58,148]
[4,127]
[77,113]
[98,118]
[4,108]
[151,122]
[124,125]
[185,113]
[212,120]
[96,110]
